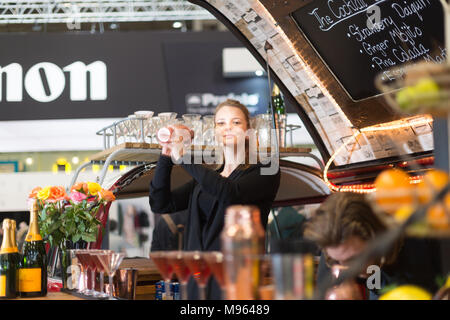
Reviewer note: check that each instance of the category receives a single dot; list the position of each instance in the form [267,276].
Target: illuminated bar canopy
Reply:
[325,55]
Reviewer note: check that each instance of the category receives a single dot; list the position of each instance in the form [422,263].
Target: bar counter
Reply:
[53,296]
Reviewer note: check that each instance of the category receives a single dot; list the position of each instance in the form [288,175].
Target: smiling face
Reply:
[230,125]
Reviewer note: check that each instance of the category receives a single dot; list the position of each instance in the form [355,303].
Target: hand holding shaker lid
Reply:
[242,245]
[171,133]
[165,134]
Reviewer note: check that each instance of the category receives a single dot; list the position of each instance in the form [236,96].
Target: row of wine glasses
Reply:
[102,261]
[184,264]
[142,126]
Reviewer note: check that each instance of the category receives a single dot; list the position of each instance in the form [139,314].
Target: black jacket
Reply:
[241,187]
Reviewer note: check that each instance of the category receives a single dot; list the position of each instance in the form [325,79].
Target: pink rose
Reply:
[77,196]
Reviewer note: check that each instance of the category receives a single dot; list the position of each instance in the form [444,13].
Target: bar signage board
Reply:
[359,39]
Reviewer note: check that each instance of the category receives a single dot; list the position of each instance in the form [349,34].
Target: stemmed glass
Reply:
[200,270]
[99,266]
[164,267]
[111,262]
[155,126]
[208,130]
[167,118]
[214,259]
[193,122]
[176,259]
[145,119]
[83,257]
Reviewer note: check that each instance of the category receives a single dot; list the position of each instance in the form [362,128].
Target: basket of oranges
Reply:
[417,89]
[399,195]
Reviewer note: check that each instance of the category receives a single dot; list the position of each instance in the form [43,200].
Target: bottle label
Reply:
[2,286]
[33,237]
[30,280]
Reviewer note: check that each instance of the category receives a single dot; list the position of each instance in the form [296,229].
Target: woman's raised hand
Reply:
[173,139]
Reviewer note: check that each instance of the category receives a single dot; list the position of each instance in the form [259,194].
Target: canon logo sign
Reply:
[45,81]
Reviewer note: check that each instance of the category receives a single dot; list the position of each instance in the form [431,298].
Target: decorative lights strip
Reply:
[359,188]
[369,188]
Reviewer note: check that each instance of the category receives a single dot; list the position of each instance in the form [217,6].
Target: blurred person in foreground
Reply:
[344,225]
[207,196]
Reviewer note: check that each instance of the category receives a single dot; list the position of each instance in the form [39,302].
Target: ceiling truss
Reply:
[86,11]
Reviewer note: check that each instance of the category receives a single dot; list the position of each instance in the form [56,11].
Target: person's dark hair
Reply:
[342,216]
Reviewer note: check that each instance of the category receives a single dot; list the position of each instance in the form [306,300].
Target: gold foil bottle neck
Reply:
[33,230]
[34,207]
[13,232]
[6,224]
[7,244]
[275,90]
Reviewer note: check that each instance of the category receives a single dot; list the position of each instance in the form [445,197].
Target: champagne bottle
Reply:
[8,264]
[280,115]
[16,255]
[33,265]
[277,101]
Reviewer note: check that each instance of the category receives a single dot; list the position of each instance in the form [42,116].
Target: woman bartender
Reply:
[206,197]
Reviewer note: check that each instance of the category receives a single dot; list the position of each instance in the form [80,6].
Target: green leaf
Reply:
[89,237]
[76,237]
[55,226]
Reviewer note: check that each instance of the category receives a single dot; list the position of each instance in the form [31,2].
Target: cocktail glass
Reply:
[167,118]
[111,262]
[99,267]
[176,260]
[144,122]
[193,122]
[155,126]
[164,267]
[214,259]
[84,258]
[208,131]
[200,270]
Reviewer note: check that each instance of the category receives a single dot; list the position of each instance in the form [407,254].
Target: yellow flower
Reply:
[94,188]
[43,194]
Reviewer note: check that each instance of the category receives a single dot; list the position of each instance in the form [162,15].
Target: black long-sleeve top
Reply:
[207,196]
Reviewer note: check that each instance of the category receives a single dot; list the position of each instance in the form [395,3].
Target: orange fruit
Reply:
[438,215]
[403,213]
[432,182]
[393,190]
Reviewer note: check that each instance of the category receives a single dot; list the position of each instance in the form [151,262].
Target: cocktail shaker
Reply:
[242,247]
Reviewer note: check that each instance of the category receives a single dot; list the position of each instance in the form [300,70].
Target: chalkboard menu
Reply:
[358,39]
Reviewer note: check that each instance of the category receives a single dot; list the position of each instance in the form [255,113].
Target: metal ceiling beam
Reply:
[85,11]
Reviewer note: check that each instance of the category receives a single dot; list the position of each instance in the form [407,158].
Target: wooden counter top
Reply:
[53,296]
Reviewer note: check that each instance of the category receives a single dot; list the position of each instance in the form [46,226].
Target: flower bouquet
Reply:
[70,217]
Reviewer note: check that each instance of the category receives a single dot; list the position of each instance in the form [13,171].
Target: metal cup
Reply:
[125,283]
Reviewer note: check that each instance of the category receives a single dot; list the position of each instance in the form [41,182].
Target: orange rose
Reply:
[106,195]
[80,187]
[33,193]
[57,193]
